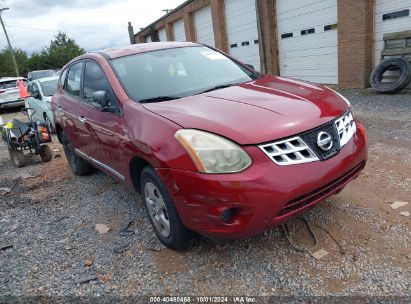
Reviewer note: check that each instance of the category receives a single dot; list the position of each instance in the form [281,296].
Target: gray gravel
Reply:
[49,246]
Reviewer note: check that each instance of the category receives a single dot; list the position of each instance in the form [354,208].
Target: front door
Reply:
[106,128]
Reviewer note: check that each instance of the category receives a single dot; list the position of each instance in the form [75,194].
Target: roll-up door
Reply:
[308,39]
[242,31]
[162,35]
[204,26]
[179,31]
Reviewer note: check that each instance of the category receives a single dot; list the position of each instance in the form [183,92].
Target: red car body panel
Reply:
[279,108]
[284,107]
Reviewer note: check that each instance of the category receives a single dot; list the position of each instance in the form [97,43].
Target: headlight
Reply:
[212,153]
[342,97]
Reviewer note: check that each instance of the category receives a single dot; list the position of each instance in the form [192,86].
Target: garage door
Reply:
[179,31]
[308,39]
[148,38]
[242,31]
[162,35]
[204,26]
[391,16]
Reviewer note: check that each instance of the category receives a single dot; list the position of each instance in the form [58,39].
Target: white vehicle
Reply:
[9,92]
[41,90]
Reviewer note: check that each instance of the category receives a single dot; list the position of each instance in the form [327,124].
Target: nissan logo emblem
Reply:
[324,141]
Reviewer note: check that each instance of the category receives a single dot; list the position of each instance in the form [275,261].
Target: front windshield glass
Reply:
[178,72]
[49,87]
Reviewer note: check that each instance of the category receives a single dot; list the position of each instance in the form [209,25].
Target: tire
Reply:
[18,158]
[179,237]
[391,87]
[77,165]
[46,154]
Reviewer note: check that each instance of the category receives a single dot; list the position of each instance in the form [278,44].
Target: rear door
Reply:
[108,137]
[71,108]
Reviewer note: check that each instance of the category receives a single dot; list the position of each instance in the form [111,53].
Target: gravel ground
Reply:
[49,245]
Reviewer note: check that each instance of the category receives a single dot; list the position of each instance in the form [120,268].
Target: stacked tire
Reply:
[398,64]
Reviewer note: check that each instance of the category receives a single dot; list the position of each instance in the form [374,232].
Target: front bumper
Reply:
[264,195]
[11,103]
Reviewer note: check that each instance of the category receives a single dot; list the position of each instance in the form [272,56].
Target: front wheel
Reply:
[162,213]
[77,165]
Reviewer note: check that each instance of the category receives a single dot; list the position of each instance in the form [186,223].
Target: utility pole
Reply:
[8,41]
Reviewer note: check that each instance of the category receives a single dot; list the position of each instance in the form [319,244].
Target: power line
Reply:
[56,31]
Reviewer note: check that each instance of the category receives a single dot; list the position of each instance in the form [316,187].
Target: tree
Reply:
[60,51]
[6,63]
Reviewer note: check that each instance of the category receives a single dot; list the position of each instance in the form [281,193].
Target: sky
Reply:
[94,24]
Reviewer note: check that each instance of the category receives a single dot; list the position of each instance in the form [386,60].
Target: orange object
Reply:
[23,90]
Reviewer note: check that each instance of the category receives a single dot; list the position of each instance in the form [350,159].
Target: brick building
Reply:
[325,41]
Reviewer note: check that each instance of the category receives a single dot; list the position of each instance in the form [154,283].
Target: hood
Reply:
[264,110]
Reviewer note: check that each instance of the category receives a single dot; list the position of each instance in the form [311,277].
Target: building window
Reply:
[245,43]
[234,45]
[395,15]
[287,35]
[330,27]
[309,31]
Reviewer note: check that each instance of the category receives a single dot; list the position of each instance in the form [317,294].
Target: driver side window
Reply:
[95,80]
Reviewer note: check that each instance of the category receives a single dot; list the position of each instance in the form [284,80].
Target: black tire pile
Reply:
[400,64]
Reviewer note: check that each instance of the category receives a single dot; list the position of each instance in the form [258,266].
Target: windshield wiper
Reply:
[159,99]
[219,87]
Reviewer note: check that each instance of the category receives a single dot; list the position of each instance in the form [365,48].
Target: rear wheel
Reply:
[78,165]
[18,158]
[162,213]
[46,154]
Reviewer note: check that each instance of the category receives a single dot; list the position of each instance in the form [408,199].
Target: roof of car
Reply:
[10,78]
[142,48]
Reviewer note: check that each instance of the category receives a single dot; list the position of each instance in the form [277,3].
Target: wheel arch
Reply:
[136,166]
[59,131]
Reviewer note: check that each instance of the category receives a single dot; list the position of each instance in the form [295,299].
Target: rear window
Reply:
[4,85]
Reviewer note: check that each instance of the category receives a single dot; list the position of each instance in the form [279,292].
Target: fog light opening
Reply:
[227,215]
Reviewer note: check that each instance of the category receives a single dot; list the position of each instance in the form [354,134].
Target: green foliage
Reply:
[60,51]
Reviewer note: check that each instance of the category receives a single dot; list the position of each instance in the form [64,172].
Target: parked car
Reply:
[33,75]
[9,92]
[213,146]
[41,91]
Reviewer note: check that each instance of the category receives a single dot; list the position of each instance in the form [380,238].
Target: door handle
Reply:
[82,119]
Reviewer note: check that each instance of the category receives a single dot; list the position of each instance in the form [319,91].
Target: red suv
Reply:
[213,146]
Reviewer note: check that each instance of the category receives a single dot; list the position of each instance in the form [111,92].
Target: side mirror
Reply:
[250,66]
[99,100]
[36,95]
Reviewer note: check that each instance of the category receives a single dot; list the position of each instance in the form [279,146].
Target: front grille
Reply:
[311,137]
[313,196]
[305,147]
[346,128]
[289,152]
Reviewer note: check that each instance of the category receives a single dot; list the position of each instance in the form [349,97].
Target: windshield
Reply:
[178,72]
[49,87]
[41,74]
[8,84]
